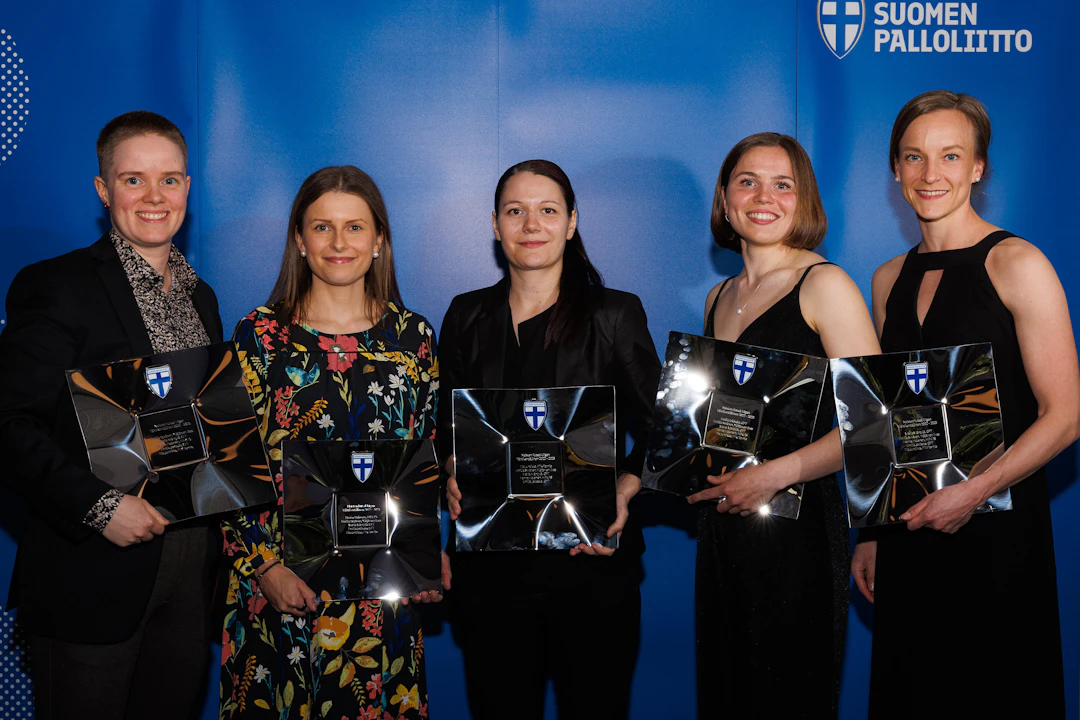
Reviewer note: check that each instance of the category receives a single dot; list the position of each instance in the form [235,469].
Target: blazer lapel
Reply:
[570,361]
[207,312]
[490,336]
[115,281]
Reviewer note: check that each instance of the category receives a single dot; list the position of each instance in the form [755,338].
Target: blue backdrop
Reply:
[639,102]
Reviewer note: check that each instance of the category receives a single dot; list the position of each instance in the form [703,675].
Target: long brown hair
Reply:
[578,274]
[809,225]
[293,284]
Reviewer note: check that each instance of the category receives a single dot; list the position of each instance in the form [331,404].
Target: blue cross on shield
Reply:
[916,374]
[535,412]
[159,380]
[743,368]
[841,24]
[363,463]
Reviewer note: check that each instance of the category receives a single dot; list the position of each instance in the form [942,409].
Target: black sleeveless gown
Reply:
[966,625]
[772,593]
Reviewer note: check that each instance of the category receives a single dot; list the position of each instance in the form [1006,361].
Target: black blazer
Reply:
[71,311]
[614,348]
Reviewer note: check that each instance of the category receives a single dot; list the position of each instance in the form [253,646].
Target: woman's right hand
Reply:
[134,521]
[863,566]
[286,592]
[453,493]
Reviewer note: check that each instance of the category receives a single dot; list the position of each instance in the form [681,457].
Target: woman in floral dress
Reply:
[333,356]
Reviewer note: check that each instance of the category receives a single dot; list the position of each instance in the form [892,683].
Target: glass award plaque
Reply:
[362,518]
[536,468]
[176,429]
[722,406]
[912,423]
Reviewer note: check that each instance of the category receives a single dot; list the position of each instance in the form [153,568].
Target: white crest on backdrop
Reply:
[841,24]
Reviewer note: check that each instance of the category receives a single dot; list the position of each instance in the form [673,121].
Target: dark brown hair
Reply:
[294,279]
[935,100]
[133,124]
[809,225]
[578,274]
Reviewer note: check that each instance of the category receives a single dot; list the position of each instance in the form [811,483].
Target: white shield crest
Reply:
[159,380]
[535,412]
[841,23]
[743,368]
[916,375]
[363,464]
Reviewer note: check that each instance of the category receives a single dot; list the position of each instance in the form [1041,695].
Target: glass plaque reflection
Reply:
[912,423]
[176,429]
[722,406]
[536,468]
[362,518]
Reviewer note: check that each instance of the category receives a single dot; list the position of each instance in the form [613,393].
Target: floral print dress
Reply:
[349,660]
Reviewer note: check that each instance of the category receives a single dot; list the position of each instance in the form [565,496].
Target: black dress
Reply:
[772,593]
[966,625]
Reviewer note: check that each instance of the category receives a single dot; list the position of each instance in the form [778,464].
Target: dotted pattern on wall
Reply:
[14,96]
[16,697]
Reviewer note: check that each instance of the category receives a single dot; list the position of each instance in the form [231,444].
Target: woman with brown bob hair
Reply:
[334,355]
[772,593]
[983,587]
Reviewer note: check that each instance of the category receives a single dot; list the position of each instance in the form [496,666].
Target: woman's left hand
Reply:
[625,490]
[947,509]
[745,490]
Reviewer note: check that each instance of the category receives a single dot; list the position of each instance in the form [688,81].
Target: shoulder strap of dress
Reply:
[712,308]
[987,243]
[807,272]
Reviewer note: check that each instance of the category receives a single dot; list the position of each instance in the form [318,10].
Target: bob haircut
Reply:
[578,274]
[293,284]
[810,223]
[936,100]
[134,124]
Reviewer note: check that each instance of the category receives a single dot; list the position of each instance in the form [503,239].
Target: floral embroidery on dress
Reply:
[350,660]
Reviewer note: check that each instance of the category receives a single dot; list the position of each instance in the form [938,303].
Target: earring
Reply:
[303,253]
[726,219]
[375,255]
[107,207]
[978,178]
[897,178]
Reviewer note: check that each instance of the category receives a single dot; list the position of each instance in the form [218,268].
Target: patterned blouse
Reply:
[349,659]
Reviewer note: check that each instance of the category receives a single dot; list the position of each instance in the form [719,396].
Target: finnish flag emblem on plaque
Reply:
[363,463]
[743,368]
[916,374]
[535,412]
[159,380]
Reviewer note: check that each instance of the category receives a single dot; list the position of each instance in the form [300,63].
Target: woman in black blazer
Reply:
[115,606]
[522,618]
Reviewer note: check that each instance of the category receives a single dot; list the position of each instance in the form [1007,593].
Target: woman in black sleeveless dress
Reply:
[772,593]
[966,610]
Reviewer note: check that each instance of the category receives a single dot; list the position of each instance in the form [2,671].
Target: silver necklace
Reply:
[739,308]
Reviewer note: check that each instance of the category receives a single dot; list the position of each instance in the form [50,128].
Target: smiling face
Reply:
[760,199]
[937,164]
[146,190]
[533,222]
[339,235]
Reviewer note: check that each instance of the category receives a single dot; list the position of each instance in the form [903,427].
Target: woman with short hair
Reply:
[772,592]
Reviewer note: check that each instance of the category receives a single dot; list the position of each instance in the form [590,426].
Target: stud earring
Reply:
[303,253]
[375,255]
[978,178]
[897,178]
[107,207]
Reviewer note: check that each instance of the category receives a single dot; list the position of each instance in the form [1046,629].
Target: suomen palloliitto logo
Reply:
[841,24]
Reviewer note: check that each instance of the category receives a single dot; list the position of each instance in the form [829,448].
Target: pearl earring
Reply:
[375,255]
[897,178]
[303,253]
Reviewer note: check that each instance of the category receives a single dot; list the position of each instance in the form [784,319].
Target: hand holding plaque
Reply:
[535,468]
[723,406]
[176,429]
[913,423]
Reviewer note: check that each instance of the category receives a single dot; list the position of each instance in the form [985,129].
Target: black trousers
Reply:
[160,671]
[584,639]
